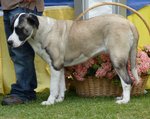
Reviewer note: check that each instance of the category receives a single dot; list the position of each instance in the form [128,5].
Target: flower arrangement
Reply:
[101,67]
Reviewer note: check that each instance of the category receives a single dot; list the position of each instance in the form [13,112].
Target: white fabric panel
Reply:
[100,10]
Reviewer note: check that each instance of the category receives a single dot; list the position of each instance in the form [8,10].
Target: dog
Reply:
[63,43]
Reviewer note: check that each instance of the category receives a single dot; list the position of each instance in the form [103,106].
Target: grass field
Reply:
[75,107]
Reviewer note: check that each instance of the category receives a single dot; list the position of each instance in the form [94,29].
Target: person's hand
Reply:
[28,0]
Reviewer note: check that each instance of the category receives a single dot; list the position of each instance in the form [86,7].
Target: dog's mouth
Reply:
[22,43]
[13,45]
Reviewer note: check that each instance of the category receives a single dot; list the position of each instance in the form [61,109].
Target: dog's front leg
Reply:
[62,87]
[54,86]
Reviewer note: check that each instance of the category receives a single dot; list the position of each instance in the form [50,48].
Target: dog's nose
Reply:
[10,43]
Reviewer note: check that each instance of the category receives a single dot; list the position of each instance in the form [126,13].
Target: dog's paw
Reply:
[47,103]
[119,98]
[60,99]
[50,101]
[122,101]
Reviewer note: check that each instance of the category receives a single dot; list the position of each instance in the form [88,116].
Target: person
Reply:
[23,57]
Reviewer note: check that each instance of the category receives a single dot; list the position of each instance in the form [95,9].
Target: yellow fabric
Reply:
[7,73]
[60,12]
[6,68]
[143,32]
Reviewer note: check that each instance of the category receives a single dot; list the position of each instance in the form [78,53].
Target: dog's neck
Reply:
[42,31]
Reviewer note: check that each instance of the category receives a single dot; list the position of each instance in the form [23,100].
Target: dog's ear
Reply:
[13,20]
[33,20]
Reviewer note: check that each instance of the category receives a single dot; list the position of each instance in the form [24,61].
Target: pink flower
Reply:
[143,62]
[107,66]
[78,77]
[89,63]
[100,73]
[105,57]
[111,75]
[80,70]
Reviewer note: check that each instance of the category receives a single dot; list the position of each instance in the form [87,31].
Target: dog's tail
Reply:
[133,52]
[116,4]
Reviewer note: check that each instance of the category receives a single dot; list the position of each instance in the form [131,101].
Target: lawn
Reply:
[75,107]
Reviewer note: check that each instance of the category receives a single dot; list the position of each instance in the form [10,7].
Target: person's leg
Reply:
[23,58]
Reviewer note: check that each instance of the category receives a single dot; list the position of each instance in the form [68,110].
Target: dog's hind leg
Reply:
[133,54]
[62,87]
[120,65]
[54,86]
[133,51]
[126,93]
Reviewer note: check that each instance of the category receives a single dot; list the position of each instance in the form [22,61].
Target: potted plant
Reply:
[96,77]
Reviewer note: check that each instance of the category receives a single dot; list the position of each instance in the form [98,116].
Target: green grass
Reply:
[75,107]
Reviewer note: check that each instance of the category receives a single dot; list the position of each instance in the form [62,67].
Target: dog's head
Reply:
[23,27]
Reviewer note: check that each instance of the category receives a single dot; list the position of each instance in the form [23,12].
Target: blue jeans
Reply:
[23,59]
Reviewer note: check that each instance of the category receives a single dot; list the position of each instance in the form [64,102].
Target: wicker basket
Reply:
[103,87]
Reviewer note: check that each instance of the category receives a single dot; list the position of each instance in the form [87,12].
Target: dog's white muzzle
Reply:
[14,41]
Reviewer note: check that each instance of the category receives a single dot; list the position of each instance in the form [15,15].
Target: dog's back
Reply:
[102,33]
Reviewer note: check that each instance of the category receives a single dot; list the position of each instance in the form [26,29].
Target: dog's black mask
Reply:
[20,29]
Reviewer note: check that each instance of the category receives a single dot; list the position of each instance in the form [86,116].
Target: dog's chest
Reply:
[40,51]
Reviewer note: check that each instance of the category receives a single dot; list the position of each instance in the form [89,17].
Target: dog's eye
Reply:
[25,31]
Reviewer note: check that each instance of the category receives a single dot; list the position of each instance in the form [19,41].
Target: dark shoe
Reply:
[12,100]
